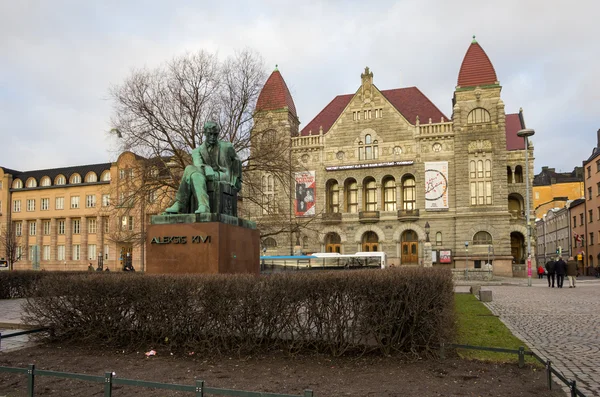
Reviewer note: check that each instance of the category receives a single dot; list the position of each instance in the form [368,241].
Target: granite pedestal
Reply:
[202,243]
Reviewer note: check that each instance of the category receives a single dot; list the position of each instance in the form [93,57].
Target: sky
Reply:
[58,60]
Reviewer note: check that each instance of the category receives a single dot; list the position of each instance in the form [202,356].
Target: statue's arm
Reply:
[197,158]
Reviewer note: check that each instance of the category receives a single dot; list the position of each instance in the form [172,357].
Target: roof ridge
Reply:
[69,166]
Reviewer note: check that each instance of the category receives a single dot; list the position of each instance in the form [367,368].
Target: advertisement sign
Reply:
[528,267]
[304,202]
[445,256]
[436,185]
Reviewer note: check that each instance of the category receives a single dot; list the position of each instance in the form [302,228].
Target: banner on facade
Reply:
[445,256]
[436,185]
[304,203]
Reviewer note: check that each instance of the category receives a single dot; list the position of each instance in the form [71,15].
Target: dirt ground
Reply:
[274,372]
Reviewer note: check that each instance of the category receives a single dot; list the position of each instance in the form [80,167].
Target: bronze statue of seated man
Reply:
[214,160]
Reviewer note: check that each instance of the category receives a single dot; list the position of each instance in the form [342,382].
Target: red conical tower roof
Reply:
[275,95]
[476,68]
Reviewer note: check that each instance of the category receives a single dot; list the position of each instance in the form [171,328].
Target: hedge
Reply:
[392,310]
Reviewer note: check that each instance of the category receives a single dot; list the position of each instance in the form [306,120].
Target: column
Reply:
[380,206]
[359,199]
[53,239]
[84,239]
[68,239]
[25,239]
[39,234]
[341,199]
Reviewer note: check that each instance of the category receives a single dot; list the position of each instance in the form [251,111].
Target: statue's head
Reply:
[211,132]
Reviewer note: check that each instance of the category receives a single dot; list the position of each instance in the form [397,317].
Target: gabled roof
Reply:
[275,95]
[513,125]
[476,68]
[410,102]
[66,171]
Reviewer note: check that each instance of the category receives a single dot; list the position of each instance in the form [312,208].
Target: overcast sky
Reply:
[59,58]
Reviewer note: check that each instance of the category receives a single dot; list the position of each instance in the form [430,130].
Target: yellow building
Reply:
[66,218]
[553,189]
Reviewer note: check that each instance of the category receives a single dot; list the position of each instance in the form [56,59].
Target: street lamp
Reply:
[427,232]
[525,134]
[466,260]
[100,262]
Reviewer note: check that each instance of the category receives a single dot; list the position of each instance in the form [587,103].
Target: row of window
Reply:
[59,203]
[126,223]
[589,169]
[367,114]
[60,253]
[91,177]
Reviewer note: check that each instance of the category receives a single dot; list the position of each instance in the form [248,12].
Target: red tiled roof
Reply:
[476,68]
[513,125]
[410,102]
[275,95]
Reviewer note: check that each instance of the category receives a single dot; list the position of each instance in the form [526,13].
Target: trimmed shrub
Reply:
[393,310]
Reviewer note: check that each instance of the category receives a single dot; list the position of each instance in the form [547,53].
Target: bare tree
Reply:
[10,243]
[159,114]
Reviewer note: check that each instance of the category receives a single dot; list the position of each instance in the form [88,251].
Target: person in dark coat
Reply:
[571,271]
[560,267]
[550,270]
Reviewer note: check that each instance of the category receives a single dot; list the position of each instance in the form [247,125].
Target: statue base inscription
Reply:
[203,243]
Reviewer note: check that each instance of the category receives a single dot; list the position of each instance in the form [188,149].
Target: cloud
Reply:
[61,57]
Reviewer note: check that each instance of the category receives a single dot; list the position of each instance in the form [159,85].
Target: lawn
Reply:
[477,326]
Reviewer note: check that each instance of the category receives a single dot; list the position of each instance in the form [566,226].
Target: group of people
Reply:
[98,269]
[558,269]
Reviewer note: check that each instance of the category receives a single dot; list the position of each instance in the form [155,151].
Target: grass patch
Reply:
[477,326]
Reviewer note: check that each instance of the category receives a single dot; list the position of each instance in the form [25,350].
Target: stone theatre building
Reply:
[377,165]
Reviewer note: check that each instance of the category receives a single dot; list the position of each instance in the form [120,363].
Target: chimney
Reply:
[598,136]
[544,168]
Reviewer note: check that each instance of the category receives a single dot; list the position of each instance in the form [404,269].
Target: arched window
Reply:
[480,181]
[438,238]
[509,175]
[369,150]
[408,193]
[270,243]
[46,181]
[333,242]
[389,194]
[370,194]
[268,191]
[105,177]
[333,196]
[91,177]
[370,242]
[31,182]
[514,205]
[351,193]
[518,174]
[478,115]
[482,238]
[75,178]
[60,180]
[17,184]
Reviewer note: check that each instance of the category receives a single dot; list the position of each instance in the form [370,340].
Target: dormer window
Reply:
[91,177]
[46,181]
[31,182]
[60,180]
[75,178]
[17,184]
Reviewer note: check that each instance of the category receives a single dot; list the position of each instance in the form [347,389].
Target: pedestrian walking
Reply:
[550,270]
[90,267]
[540,271]
[560,267]
[571,271]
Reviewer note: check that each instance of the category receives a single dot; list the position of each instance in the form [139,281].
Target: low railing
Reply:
[368,216]
[309,140]
[109,379]
[438,128]
[331,217]
[521,353]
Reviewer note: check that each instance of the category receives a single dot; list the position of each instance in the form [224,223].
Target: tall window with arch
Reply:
[370,194]
[333,197]
[482,238]
[351,196]
[478,116]
[268,193]
[518,174]
[369,150]
[438,238]
[480,181]
[509,174]
[409,196]
[333,242]
[389,194]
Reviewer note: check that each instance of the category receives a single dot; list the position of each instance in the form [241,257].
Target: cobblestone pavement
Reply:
[562,325]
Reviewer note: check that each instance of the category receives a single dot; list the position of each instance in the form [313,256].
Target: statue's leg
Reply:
[182,196]
[199,183]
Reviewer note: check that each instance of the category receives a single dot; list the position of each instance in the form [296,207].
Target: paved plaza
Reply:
[562,325]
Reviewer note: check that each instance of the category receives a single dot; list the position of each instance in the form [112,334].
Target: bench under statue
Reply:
[212,182]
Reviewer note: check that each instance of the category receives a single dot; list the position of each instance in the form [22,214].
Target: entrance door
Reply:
[517,244]
[333,242]
[370,242]
[410,247]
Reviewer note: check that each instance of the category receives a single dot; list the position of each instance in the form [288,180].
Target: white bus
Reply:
[359,259]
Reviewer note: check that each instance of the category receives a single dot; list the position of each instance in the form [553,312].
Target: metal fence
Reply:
[550,370]
[109,379]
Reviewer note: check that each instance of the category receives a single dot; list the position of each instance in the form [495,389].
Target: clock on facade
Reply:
[436,184]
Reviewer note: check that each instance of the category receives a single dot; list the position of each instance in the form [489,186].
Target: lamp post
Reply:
[466,260]
[525,134]
[100,262]
[427,232]
[427,257]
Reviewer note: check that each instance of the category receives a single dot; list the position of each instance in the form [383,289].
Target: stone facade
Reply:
[365,201]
